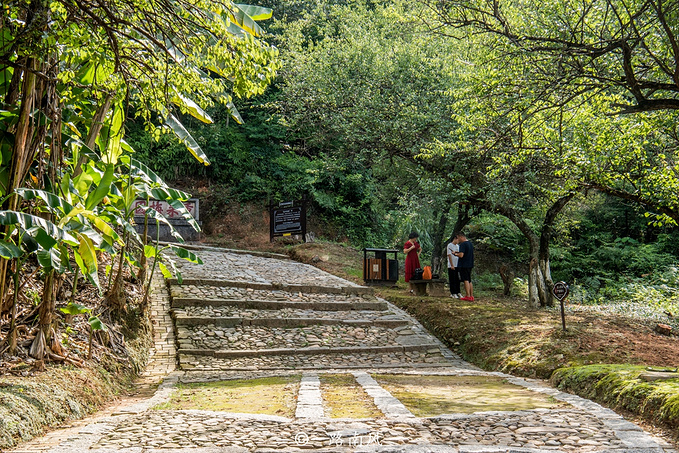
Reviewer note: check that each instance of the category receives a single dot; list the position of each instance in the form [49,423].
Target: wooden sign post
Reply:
[560,291]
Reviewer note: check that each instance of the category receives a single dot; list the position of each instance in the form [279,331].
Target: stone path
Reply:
[243,316]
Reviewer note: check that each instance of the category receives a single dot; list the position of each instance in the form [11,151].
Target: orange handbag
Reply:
[426,274]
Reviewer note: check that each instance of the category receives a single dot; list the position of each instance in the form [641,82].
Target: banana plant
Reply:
[159,257]
[93,321]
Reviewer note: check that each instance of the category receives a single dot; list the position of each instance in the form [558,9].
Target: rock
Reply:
[663,329]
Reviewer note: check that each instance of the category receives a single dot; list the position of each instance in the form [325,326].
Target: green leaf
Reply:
[233,111]
[96,196]
[49,259]
[166,272]
[9,251]
[140,170]
[150,251]
[256,12]
[87,72]
[75,309]
[158,217]
[35,225]
[97,324]
[192,108]
[52,201]
[106,229]
[185,254]
[239,17]
[186,138]
[88,255]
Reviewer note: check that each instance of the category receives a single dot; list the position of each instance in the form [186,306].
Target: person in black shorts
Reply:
[465,264]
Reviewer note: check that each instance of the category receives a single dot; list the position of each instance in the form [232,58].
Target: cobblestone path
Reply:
[244,315]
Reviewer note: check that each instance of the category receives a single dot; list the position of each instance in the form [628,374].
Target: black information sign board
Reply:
[288,218]
[560,291]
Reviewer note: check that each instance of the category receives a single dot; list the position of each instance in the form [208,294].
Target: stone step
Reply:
[232,353]
[180,302]
[285,322]
[314,358]
[207,248]
[253,313]
[294,288]
[244,337]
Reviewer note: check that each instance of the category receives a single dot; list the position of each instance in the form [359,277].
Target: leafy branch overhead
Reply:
[627,48]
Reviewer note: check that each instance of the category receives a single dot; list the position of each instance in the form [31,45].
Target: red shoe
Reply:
[471,299]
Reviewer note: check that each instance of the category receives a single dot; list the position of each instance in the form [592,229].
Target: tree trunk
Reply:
[545,238]
[115,297]
[21,145]
[535,284]
[507,276]
[45,312]
[437,238]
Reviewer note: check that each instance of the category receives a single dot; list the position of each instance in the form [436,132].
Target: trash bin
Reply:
[378,267]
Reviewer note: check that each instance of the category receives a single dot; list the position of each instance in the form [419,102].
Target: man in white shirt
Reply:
[453,275]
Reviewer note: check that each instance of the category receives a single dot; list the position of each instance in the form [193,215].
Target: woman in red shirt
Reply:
[412,250]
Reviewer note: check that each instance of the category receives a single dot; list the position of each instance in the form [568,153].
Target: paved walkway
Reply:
[246,316]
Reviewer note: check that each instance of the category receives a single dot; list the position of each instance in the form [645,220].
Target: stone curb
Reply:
[181,302]
[309,399]
[228,354]
[208,248]
[275,286]
[283,322]
[385,402]
[277,369]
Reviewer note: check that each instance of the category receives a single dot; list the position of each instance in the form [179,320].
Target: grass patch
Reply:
[271,396]
[619,387]
[343,397]
[428,396]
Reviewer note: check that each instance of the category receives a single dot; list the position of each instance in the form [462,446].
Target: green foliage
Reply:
[619,387]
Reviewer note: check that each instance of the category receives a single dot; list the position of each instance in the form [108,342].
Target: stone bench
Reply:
[433,287]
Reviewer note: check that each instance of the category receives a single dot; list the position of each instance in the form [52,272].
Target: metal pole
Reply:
[563,317]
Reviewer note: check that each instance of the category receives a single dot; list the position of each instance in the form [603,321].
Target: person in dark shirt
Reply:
[465,264]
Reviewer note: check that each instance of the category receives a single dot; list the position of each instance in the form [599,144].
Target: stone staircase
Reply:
[278,314]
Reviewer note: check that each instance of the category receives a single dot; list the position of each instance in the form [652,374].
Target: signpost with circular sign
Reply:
[560,291]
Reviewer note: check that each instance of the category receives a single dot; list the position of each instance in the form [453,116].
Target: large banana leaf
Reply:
[152,213]
[186,138]
[54,202]
[9,251]
[192,108]
[140,170]
[88,259]
[241,17]
[185,254]
[103,188]
[45,232]
[109,233]
[256,12]
[51,259]
[233,111]
[173,198]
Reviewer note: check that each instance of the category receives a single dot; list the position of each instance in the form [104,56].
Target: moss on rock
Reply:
[619,387]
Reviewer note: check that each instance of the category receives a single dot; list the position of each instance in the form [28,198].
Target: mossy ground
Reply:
[429,396]
[271,396]
[620,387]
[30,404]
[343,397]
